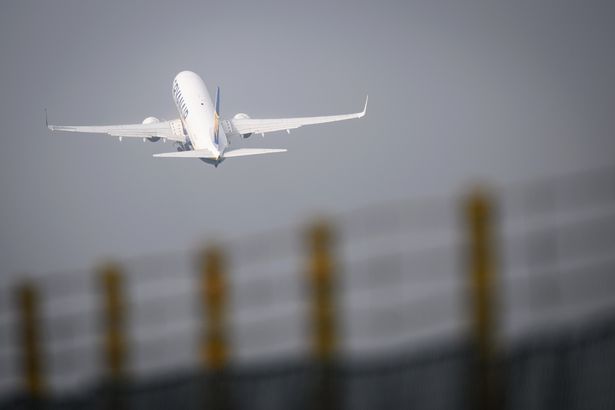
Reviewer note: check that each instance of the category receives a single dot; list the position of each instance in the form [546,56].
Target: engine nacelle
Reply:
[242,116]
[151,120]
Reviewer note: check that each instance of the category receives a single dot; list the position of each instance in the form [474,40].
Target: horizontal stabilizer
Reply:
[244,152]
[199,153]
[203,153]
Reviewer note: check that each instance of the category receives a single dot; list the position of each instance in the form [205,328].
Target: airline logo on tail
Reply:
[217,117]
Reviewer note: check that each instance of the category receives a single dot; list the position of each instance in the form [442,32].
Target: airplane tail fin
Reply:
[217,117]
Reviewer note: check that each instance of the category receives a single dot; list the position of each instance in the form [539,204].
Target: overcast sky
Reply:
[459,91]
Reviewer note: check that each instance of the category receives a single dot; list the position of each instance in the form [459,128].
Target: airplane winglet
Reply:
[46,120]
[365,106]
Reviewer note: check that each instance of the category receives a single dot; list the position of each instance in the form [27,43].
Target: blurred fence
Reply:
[495,299]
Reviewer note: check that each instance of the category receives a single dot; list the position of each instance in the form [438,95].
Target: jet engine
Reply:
[242,116]
[151,120]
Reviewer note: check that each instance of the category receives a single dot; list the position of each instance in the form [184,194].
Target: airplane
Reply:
[199,132]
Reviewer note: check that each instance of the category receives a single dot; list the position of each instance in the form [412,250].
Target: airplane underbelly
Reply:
[200,136]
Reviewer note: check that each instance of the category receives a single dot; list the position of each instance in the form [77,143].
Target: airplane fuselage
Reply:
[197,113]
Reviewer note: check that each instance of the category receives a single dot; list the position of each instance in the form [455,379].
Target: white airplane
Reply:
[196,132]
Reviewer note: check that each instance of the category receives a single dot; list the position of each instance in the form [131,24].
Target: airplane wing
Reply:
[171,130]
[260,126]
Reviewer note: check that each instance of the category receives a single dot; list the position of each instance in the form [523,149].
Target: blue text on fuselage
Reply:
[179,99]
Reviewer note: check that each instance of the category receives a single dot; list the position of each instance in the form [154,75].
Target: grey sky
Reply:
[459,91]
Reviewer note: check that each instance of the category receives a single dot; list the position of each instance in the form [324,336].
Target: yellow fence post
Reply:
[323,322]
[30,337]
[115,350]
[214,344]
[114,333]
[480,221]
